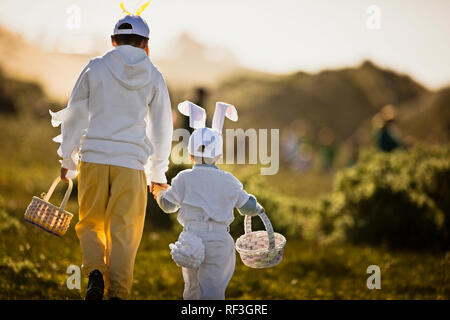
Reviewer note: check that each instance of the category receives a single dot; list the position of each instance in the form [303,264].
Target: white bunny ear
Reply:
[223,110]
[196,114]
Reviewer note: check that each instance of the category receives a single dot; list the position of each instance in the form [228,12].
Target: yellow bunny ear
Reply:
[142,8]
[123,9]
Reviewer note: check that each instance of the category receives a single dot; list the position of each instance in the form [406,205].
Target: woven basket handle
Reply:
[66,195]
[267,225]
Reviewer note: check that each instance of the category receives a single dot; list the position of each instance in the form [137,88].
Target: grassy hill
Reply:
[338,99]
[343,100]
[428,117]
[186,63]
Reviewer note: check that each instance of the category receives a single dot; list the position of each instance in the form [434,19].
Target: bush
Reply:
[398,199]
[23,97]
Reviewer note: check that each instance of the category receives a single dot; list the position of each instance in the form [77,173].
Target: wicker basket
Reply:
[47,216]
[260,249]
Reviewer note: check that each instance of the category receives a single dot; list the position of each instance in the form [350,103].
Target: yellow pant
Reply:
[112,202]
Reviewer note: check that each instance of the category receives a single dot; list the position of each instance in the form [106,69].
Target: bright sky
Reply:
[269,35]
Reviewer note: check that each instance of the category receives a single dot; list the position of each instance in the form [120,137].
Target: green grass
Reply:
[304,185]
[33,264]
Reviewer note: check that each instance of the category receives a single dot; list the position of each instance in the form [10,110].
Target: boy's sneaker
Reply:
[96,286]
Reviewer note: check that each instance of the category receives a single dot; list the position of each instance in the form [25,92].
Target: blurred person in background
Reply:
[327,148]
[386,137]
[354,151]
[289,144]
[296,146]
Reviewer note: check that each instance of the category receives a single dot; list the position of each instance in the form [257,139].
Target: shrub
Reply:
[398,199]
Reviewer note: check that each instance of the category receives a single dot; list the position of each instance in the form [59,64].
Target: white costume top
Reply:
[206,193]
[119,113]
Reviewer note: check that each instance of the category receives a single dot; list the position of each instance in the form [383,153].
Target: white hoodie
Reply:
[119,114]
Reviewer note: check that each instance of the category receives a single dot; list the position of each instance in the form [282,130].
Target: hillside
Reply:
[343,100]
[427,118]
[56,73]
[189,63]
[338,99]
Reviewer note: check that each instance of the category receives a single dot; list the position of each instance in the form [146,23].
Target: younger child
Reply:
[206,197]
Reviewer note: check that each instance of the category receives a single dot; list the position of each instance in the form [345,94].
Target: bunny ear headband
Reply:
[138,11]
[197,115]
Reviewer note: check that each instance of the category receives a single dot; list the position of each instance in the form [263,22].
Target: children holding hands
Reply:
[116,135]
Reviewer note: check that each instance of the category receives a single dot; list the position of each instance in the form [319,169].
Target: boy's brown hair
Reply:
[129,39]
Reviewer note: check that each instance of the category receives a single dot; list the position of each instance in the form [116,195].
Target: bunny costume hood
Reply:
[207,142]
[206,190]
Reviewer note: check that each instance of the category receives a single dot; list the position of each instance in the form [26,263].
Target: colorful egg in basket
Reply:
[260,249]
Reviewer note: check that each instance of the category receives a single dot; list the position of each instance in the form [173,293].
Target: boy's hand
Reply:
[63,174]
[156,187]
[153,184]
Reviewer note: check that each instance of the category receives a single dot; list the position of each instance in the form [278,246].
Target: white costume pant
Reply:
[211,279]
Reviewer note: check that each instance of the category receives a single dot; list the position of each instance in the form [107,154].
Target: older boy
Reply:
[119,121]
